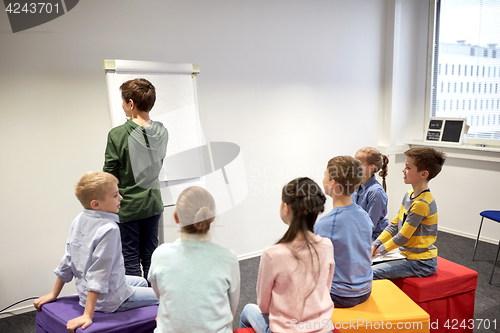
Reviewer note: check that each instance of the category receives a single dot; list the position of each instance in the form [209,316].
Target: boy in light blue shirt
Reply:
[94,258]
[349,228]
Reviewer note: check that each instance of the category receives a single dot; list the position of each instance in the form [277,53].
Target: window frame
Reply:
[432,73]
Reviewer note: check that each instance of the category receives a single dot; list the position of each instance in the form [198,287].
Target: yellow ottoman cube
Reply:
[387,310]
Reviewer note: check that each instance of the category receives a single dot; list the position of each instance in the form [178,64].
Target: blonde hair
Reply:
[375,157]
[93,186]
[347,172]
[195,208]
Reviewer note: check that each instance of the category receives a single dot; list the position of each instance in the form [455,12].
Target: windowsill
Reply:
[468,152]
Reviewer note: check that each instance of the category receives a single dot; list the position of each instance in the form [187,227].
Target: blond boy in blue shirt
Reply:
[94,258]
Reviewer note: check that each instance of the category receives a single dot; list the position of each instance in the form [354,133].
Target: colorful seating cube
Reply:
[448,296]
[388,309]
[250,330]
[54,316]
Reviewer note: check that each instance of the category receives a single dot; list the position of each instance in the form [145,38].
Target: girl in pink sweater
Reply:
[295,274]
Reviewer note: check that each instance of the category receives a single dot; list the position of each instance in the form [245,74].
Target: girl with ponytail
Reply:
[295,274]
[370,195]
[197,282]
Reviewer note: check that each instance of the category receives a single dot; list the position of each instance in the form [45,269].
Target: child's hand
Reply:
[44,299]
[374,251]
[83,321]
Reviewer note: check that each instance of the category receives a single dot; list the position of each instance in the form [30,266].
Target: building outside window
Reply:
[467,33]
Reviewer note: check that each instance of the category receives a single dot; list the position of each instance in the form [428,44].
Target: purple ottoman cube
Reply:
[54,316]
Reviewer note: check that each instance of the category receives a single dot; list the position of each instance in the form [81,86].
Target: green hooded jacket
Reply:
[134,155]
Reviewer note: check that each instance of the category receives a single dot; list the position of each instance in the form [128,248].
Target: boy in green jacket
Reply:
[134,154]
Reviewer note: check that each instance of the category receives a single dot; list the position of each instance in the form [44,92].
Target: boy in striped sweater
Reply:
[414,229]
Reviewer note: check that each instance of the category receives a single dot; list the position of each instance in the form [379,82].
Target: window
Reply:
[467,37]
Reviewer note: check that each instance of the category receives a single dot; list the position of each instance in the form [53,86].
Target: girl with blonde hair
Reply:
[197,282]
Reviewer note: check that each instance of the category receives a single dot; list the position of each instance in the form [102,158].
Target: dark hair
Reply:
[428,159]
[306,200]
[347,172]
[141,91]
[375,157]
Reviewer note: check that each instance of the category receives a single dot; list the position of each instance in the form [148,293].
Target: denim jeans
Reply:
[143,295]
[139,240]
[403,268]
[348,302]
[252,317]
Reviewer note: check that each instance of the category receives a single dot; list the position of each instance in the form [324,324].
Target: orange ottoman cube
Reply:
[250,330]
[448,296]
[388,309]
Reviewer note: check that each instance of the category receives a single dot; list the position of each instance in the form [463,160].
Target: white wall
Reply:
[279,78]
[293,83]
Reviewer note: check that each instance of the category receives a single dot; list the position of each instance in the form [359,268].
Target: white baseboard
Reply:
[28,308]
[467,235]
[444,229]
[250,255]
[16,311]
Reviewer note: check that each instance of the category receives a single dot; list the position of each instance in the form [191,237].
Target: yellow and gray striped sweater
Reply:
[413,230]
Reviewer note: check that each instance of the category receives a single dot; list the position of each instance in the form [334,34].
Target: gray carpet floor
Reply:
[455,248]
